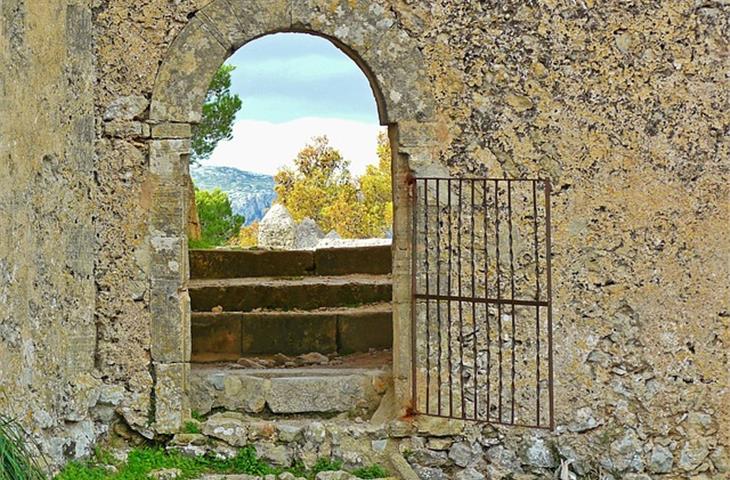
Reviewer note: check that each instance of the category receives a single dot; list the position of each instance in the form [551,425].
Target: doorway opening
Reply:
[290,235]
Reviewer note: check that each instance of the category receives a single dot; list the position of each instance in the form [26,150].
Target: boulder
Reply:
[307,235]
[277,229]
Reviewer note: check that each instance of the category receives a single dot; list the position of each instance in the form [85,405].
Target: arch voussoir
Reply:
[183,79]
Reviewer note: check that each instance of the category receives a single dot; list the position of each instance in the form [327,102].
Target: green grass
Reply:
[18,460]
[191,427]
[325,465]
[374,471]
[141,461]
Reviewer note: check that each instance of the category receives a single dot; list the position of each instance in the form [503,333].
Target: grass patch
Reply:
[141,461]
[325,465]
[374,471]
[191,427]
[18,453]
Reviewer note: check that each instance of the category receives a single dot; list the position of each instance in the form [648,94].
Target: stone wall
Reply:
[624,106]
[47,205]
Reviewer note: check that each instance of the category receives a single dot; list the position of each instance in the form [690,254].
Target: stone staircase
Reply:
[253,304]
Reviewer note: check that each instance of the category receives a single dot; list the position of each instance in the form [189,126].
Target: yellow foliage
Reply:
[248,236]
[320,187]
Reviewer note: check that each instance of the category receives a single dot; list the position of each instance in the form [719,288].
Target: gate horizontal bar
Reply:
[494,301]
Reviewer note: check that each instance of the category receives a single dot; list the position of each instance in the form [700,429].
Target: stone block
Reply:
[358,24]
[259,17]
[285,294]
[211,264]
[216,17]
[168,158]
[399,71]
[230,428]
[126,108]
[290,333]
[169,215]
[361,330]
[171,130]
[167,258]
[126,128]
[235,391]
[346,261]
[318,394]
[170,311]
[216,334]
[171,400]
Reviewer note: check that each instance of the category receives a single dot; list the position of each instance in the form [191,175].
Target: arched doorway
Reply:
[394,68]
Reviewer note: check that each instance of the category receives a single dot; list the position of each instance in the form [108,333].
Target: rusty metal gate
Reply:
[482,344]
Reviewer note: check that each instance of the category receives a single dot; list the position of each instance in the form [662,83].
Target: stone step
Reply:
[288,391]
[230,335]
[220,264]
[300,293]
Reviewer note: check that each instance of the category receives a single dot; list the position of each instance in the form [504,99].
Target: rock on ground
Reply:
[307,235]
[277,229]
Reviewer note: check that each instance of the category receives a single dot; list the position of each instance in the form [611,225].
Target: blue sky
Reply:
[287,76]
[294,87]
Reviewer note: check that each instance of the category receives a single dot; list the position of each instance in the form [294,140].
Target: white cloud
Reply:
[310,67]
[264,147]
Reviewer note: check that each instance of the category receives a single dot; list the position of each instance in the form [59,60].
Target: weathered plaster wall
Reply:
[47,244]
[623,105]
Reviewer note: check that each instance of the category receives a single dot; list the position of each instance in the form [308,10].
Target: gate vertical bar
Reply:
[486,305]
[549,286]
[512,295]
[438,286]
[414,275]
[428,301]
[537,299]
[474,305]
[499,295]
[448,305]
[461,304]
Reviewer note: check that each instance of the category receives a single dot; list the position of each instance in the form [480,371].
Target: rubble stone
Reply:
[277,229]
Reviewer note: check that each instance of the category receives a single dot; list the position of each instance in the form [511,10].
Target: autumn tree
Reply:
[321,187]
[319,175]
[376,186]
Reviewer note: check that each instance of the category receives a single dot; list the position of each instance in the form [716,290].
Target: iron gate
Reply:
[482,314]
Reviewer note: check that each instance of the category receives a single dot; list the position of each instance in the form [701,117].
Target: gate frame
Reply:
[395,68]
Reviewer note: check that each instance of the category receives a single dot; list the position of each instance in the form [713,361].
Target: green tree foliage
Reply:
[219,112]
[320,186]
[218,222]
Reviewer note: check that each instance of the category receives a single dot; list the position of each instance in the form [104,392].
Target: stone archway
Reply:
[370,35]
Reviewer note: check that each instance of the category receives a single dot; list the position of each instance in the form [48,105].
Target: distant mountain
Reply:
[251,193]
